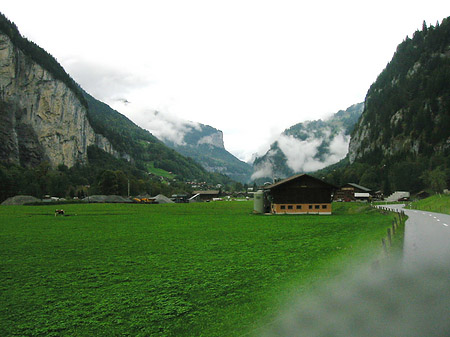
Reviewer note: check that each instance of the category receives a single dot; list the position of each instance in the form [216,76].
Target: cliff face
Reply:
[41,118]
[363,143]
[214,139]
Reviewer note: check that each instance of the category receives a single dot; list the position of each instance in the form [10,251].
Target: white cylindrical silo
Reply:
[258,203]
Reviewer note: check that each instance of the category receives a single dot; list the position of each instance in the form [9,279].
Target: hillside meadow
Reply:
[209,269]
[439,203]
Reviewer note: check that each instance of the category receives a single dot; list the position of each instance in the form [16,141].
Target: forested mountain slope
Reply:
[402,140]
[407,109]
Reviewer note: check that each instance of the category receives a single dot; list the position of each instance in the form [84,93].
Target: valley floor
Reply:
[211,269]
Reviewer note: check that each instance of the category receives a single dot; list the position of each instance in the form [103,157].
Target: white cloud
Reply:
[338,148]
[105,82]
[265,168]
[162,124]
[300,154]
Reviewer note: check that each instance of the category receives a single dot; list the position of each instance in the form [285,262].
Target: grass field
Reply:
[439,203]
[210,269]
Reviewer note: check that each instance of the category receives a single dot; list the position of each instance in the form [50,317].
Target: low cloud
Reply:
[106,83]
[265,168]
[301,155]
[338,148]
[162,124]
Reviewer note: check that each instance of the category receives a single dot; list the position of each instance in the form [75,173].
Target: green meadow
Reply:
[209,269]
[439,203]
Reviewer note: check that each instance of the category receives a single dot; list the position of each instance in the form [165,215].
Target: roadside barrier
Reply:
[390,241]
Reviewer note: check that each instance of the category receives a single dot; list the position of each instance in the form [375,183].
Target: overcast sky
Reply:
[250,68]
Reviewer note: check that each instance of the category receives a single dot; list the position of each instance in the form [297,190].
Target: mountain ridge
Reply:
[308,146]
[205,145]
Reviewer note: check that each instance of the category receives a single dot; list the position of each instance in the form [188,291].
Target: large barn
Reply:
[300,194]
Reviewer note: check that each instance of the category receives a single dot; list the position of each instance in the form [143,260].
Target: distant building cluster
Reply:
[305,194]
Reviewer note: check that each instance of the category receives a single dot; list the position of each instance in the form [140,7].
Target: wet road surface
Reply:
[427,235]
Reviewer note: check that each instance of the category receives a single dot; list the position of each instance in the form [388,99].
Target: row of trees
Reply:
[79,182]
[399,173]
[104,174]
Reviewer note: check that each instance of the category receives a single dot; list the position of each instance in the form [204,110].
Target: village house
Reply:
[353,192]
[300,194]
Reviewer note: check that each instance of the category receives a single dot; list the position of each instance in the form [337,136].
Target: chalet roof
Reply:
[362,188]
[284,181]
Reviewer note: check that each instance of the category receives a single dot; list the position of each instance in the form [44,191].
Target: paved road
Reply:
[407,300]
[427,236]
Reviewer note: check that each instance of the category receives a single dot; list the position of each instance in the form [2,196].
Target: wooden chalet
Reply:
[353,192]
[300,194]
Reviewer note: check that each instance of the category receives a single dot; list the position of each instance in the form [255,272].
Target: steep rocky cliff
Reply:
[42,118]
[215,139]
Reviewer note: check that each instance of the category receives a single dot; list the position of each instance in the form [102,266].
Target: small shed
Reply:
[353,192]
[422,195]
[300,194]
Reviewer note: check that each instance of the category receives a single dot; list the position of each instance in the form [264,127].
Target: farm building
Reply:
[180,198]
[300,194]
[353,192]
[204,195]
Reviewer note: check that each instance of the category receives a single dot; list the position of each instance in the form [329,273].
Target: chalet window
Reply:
[299,206]
[324,206]
[317,206]
[283,207]
[290,207]
[310,206]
